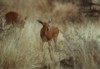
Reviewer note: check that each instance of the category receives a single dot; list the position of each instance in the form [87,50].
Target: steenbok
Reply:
[15,19]
[48,33]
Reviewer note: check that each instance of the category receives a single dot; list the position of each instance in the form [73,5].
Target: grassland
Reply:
[78,40]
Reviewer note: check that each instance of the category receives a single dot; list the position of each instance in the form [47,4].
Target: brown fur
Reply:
[14,18]
[48,33]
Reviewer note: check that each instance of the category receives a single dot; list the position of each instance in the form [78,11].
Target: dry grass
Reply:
[44,5]
[66,12]
[23,50]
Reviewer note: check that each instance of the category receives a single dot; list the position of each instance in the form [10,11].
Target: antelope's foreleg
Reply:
[50,44]
[42,43]
[55,41]
[42,51]
[55,44]
[50,50]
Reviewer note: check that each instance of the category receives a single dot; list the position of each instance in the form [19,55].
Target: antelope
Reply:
[15,19]
[48,33]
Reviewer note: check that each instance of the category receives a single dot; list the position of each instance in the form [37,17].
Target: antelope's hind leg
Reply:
[55,44]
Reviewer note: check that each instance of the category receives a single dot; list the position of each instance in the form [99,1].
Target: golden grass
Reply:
[44,5]
[23,49]
[67,12]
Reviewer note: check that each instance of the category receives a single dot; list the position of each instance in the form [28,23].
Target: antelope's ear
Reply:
[50,21]
[40,21]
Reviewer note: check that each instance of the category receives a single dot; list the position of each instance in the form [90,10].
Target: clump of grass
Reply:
[44,5]
[66,12]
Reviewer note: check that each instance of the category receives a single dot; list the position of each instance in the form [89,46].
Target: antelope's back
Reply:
[54,31]
[15,19]
[11,17]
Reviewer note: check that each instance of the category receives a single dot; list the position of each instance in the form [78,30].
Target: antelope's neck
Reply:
[45,28]
[44,31]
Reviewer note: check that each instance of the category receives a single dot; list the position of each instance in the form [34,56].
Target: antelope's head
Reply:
[44,24]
